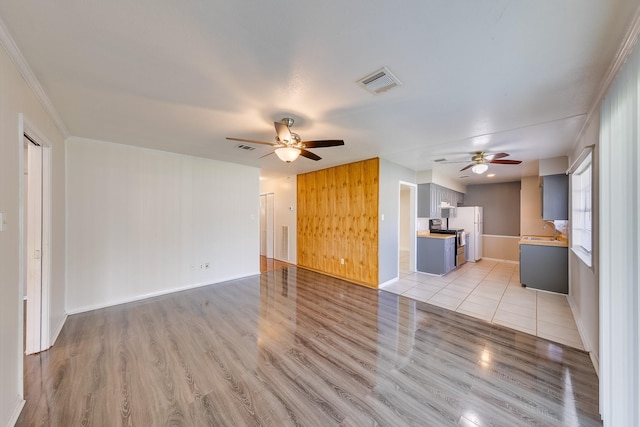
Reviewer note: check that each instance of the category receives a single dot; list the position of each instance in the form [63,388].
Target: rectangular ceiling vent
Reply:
[379,81]
[245,147]
[440,160]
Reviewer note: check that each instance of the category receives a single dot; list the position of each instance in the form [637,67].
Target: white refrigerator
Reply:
[470,219]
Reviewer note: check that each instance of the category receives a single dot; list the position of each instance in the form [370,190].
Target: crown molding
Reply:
[27,74]
[628,43]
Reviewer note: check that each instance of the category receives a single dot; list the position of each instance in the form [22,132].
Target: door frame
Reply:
[35,326]
[269,224]
[413,213]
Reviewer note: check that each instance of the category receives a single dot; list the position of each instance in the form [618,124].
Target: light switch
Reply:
[3,224]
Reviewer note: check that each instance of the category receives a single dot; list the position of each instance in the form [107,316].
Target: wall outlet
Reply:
[342,261]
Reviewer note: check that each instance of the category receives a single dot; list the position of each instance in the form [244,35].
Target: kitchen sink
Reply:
[543,239]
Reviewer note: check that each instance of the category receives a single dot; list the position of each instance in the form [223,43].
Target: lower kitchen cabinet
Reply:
[436,255]
[545,267]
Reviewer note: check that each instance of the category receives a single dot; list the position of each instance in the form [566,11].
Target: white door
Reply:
[33,247]
[263,225]
[267,225]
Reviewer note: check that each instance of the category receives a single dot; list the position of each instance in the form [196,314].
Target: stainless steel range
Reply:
[435,227]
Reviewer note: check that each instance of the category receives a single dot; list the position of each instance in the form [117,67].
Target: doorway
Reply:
[267,226]
[35,259]
[407,228]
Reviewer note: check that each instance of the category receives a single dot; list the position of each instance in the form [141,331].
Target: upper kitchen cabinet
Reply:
[424,201]
[430,199]
[555,196]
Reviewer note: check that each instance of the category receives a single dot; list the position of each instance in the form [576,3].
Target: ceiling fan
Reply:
[289,146]
[480,160]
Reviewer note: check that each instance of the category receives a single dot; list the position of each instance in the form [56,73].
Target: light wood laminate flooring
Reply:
[293,347]
[270,264]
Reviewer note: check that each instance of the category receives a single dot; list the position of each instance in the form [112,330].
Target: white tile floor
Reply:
[491,291]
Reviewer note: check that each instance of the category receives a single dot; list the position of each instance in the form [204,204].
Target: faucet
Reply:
[555,230]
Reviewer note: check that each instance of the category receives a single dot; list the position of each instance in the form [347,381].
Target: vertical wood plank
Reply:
[338,219]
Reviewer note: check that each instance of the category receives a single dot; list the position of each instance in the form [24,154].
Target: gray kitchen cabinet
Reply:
[436,255]
[544,267]
[555,196]
[424,200]
[436,199]
[430,198]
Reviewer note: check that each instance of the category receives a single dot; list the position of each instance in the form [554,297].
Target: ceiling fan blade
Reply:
[468,166]
[284,134]
[496,156]
[253,141]
[506,162]
[323,143]
[309,155]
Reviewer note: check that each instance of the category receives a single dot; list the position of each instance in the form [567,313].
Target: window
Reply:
[581,212]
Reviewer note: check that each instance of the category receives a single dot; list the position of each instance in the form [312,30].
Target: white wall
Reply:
[142,222]
[437,177]
[553,166]
[388,205]
[17,97]
[583,280]
[284,190]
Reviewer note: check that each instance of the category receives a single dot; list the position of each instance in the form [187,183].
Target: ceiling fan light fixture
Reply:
[288,154]
[480,168]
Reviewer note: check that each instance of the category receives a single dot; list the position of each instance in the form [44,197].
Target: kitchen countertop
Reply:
[435,236]
[543,242]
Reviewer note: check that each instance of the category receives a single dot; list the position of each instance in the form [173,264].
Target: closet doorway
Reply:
[35,237]
[267,226]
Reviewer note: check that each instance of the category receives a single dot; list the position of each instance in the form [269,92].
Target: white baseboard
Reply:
[16,413]
[388,282]
[154,294]
[588,345]
[57,331]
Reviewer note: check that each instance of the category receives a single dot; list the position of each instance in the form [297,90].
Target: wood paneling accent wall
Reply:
[338,218]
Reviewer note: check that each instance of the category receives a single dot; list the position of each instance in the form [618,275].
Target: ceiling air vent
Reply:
[379,81]
[440,160]
[245,147]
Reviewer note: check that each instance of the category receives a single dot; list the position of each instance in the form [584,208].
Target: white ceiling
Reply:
[180,76]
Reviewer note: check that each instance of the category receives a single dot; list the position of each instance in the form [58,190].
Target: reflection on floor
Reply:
[491,291]
[271,264]
[293,347]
